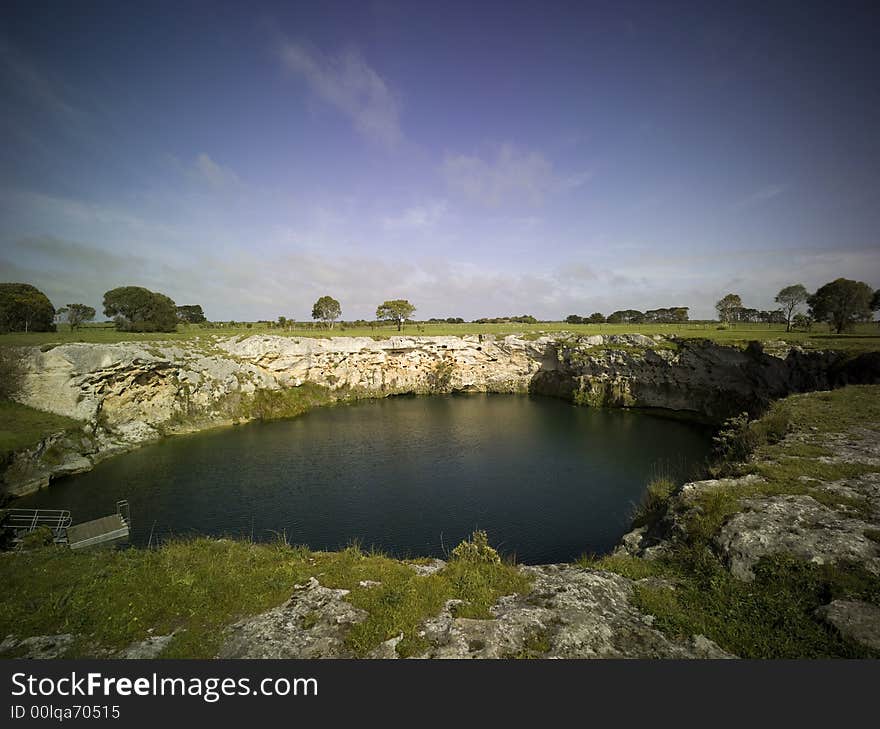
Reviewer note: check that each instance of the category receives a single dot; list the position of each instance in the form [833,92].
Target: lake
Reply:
[412,476]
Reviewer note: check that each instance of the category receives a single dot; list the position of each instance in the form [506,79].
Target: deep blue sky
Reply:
[478,159]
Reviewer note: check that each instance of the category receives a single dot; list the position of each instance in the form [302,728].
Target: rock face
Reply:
[796,525]
[569,613]
[693,375]
[854,619]
[131,393]
[37,646]
[312,624]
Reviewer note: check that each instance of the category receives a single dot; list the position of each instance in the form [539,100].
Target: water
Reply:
[411,475]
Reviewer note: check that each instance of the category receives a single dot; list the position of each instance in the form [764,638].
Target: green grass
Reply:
[654,501]
[773,616]
[111,599]
[833,412]
[22,427]
[863,337]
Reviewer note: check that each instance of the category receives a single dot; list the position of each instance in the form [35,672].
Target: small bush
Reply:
[40,537]
[773,427]
[735,441]
[738,438]
[654,501]
[11,371]
[476,550]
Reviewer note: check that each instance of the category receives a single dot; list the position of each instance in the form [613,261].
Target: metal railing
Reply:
[124,511]
[22,521]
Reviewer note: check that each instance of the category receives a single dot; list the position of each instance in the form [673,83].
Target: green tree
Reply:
[77,314]
[327,309]
[802,322]
[842,303]
[597,317]
[24,308]
[136,309]
[729,307]
[397,310]
[791,297]
[626,316]
[574,319]
[191,314]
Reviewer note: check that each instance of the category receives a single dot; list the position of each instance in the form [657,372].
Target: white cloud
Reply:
[347,83]
[213,173]
[576,180]
[240,286]
[760,196]
[510,175]
[418,217]
[30,82]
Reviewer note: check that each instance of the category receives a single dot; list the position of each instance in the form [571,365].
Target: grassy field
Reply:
[111,599]
[21,426]
[862,337]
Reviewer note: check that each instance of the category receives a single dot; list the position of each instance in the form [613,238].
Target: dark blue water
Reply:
[411,475]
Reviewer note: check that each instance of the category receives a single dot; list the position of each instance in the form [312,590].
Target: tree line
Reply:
[841,303]
[669,315]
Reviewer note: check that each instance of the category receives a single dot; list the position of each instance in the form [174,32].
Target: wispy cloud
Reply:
[347,83]
[31,83]
[509,175]
[760,196]
[241,285]
[418,217]
[213,173]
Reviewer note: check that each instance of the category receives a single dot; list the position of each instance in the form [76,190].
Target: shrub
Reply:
[735,441]
[39,537]
[476,550]
[11,371]
[654,501]
[738,438]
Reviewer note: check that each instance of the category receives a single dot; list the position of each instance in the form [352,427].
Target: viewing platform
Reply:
[105,530]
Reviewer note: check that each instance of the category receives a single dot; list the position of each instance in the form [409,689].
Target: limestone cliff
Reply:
[130,393]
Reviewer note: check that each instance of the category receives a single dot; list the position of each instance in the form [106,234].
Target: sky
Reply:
[478,159]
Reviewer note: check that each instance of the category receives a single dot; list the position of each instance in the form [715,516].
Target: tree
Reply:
[670,315]
[574,319]
[24,308]
[791,297]
[397,310]
[79,313]
[327,309]
[136,309]
[191,314]
[596,318]
[626,316]
[842,303]
[875,301]
[802,322]
[728,308]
